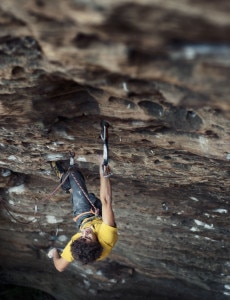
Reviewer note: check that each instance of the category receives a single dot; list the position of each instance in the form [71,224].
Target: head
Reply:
[86,248]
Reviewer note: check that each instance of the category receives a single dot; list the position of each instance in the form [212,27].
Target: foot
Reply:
[58,169]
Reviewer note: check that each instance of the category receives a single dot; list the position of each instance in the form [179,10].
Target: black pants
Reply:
[78,198]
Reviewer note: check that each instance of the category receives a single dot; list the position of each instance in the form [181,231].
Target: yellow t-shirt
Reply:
[106,235]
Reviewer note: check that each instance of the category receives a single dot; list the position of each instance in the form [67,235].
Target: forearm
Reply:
[59,263]
[56,257]
[105,190]
[106,200]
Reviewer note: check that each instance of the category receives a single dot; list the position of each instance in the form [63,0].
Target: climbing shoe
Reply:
[57,167]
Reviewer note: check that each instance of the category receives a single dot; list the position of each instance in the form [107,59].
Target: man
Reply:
[96,235]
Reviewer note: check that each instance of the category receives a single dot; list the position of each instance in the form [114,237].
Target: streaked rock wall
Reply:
[158,72]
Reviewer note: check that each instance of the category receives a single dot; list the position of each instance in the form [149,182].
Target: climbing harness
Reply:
[105,137]
[85,213]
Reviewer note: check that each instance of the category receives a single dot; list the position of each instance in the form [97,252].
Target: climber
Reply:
[97,231]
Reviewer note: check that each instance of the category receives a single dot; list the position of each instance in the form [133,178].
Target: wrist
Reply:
[53,253]
[105,171]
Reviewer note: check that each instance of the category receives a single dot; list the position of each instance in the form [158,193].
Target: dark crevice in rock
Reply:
[20,46]
[83,40]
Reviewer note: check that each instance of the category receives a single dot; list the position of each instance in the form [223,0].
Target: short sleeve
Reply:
[66,254]
[107,237]
[108,234]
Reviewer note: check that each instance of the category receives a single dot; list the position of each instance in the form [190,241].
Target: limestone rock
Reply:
[158,72]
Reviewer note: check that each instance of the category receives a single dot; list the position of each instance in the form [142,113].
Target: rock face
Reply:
[158,72]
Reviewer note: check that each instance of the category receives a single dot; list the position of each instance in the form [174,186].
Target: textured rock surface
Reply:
[158,72]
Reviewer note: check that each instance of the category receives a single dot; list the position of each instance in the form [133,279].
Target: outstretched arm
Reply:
[106,199]
[59,262]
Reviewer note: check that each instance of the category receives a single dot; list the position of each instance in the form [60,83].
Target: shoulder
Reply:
[107,235]
[108,227]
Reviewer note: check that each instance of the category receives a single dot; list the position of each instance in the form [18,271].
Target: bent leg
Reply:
[79,193]
[65,183]
[96,202]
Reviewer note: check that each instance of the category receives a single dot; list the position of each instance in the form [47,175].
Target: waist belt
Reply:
[75,219]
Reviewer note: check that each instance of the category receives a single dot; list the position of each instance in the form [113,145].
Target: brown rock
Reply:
[158,72]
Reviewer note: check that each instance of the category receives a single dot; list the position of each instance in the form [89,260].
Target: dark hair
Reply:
[85,252]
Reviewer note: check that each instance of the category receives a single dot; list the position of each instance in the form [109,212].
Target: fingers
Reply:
[51,252]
